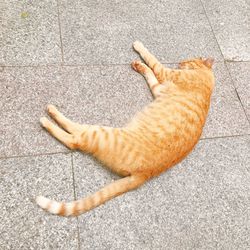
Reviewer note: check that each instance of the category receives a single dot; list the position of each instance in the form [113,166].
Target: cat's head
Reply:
[197,63]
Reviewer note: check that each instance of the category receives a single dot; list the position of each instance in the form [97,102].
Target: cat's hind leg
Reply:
[64,122]
[151,61]
[67,139]
[150,77]
[101,141]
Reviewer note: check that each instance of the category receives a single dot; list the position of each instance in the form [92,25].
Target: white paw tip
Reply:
[51,107]
[137,44]
[43,120]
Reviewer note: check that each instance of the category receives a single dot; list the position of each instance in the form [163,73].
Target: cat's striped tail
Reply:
[78,207]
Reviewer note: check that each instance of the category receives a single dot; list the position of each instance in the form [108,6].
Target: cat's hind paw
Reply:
[44,121]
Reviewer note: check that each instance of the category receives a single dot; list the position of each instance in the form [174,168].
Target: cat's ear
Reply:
[209,62]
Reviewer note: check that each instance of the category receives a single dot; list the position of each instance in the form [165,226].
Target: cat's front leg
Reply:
[155,87]
[151,61]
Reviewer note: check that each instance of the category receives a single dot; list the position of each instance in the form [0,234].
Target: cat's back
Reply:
[174,112]
[172,125]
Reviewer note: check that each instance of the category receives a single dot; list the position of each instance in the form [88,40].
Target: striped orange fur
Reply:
[156,138]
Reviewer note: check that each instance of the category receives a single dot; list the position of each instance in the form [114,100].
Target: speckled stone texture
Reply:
[226,115]
[241,77]
[202,203]
[29,33]
[76,54]
[230,21]
[100,32]
[23,224]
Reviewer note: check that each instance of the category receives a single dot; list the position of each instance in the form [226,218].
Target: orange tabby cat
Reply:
[156,139]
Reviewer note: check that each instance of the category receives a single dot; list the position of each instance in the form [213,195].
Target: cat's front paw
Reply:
[136,64]
[139,67]
[51,109]
[137,45]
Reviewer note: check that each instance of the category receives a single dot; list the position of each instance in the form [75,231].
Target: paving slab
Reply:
[226,116]
[105,95]
[202,203]
[29,33]
[102,32]
[230,21]
[240,75]
[23,224]
[25,92]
